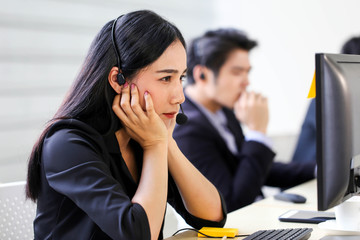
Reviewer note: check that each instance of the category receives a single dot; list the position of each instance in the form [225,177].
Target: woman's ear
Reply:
[112,78]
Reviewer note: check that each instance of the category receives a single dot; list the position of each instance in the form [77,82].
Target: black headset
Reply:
[120,77]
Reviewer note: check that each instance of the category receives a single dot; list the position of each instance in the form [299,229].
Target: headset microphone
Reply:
[181,118]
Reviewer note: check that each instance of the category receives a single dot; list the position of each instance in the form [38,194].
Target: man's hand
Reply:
[252,110]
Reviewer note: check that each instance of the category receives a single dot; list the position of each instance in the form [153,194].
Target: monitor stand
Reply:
[348,214]
[347,218]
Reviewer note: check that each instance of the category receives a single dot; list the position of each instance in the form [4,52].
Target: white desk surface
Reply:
[264,214]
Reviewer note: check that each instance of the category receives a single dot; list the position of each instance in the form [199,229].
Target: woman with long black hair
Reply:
[106,164]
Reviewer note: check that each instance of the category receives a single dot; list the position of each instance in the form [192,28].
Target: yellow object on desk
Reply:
[218,232]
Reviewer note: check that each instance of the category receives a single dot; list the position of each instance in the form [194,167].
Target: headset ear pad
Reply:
[121,79]
[202,76]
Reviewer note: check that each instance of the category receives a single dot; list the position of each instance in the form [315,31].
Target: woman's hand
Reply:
[145,127]
[170,129]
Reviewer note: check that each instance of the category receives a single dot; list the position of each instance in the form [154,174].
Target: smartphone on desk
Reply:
[303,216]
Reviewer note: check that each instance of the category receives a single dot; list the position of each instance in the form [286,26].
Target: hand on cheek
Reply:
[145,127]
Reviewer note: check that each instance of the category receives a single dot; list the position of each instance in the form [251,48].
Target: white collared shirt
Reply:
[219,121]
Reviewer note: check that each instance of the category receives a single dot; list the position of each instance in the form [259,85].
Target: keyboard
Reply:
[281,234]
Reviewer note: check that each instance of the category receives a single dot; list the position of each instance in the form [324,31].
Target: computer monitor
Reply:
[337,128]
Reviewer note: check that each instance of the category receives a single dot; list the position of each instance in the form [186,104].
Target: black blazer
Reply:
[238,177]
[86,188]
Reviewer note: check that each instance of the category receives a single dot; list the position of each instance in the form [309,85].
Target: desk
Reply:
[264,215]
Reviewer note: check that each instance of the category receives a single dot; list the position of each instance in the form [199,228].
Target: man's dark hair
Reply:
[213,48]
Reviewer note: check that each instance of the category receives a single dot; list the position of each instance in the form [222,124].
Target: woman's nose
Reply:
[178,95]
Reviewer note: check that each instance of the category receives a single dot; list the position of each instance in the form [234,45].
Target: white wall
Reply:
[289,33]
[43,43]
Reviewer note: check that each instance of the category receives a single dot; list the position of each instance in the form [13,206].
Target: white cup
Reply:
[348,214]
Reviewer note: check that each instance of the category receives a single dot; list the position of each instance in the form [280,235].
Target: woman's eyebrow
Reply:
[169,71]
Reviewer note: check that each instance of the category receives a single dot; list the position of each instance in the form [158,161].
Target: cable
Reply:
[242,235]
[192,229]
[205,235]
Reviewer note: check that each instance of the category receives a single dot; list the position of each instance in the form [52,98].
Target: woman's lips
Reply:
[170,115]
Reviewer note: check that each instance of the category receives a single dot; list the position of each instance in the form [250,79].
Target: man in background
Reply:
[216,103]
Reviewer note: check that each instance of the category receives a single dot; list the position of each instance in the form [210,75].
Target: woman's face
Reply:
[163,80]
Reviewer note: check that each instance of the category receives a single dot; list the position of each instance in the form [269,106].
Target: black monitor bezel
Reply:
[326,179]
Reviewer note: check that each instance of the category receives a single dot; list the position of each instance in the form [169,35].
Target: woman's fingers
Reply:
[135,105]
[118,110]
[149,106]
[125,98]
[127,106]
[125,102]
[144,126]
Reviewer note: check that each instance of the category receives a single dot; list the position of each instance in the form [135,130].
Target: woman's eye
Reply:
[166,79]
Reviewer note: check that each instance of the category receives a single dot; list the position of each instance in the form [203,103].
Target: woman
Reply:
[107,163]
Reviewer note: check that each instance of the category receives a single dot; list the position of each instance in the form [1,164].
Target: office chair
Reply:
[16,213]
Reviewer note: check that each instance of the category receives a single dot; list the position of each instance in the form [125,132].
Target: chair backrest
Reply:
[16,213]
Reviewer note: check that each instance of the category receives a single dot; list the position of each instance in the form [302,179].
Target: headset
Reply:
[120,77]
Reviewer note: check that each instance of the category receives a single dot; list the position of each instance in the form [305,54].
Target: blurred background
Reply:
[43,43]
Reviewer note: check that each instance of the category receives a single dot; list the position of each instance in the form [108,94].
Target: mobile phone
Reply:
[303,216]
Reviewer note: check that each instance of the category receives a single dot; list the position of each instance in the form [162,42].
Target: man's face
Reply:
[232,79]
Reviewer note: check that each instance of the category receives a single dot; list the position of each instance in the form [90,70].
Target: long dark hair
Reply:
[141,38]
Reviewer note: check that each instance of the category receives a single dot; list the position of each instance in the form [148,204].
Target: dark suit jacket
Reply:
[239,177]
[306,146]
